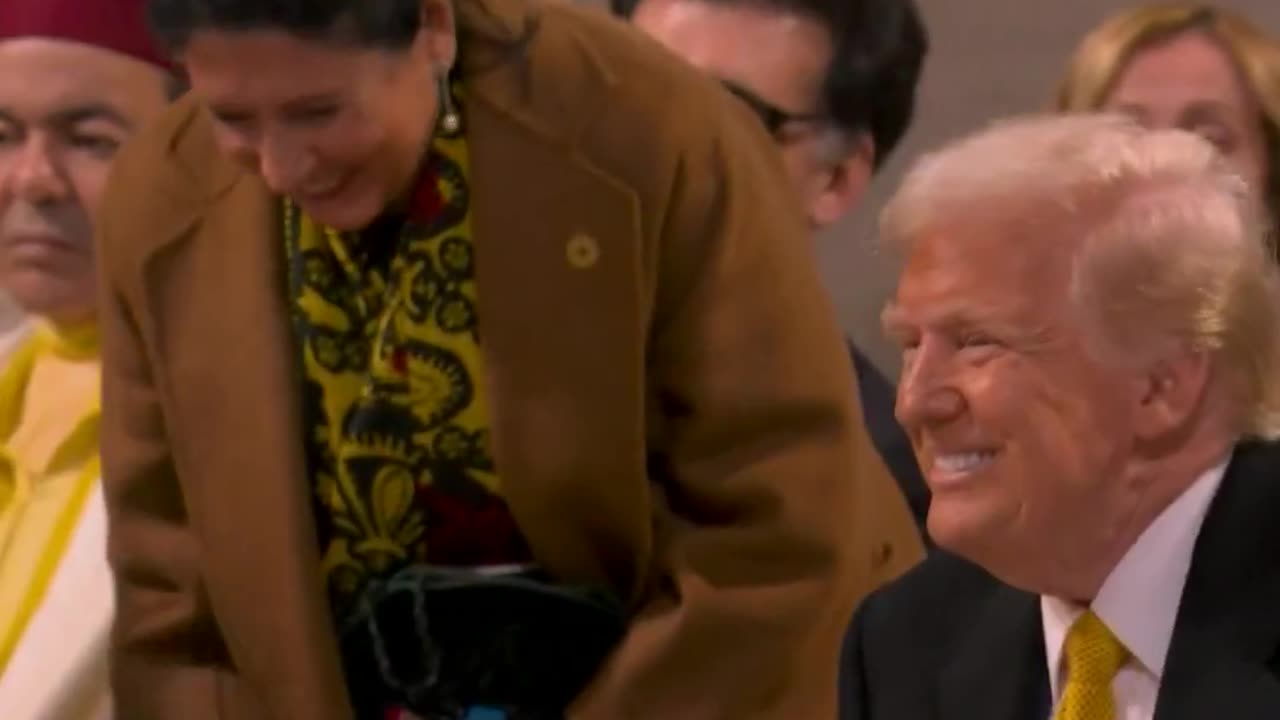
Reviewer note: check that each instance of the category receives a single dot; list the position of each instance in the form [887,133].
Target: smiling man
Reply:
[1090,325]
[77,77]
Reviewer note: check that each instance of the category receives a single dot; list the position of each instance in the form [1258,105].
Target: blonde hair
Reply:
[1119,194]
[1103,54]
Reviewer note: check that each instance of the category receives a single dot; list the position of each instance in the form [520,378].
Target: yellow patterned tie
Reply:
[1094,656]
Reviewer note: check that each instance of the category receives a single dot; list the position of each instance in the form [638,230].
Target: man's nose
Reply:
[34,172]
[925,393]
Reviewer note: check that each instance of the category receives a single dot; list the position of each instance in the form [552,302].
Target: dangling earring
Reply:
[450,120]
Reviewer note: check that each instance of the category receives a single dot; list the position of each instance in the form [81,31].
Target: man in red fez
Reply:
[77,78]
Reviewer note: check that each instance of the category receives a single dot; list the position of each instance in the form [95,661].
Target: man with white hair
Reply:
[1090,326]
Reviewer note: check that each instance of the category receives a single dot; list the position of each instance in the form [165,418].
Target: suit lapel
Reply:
[1224,660]
[999,671]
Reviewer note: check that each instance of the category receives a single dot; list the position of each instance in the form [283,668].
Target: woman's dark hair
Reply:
[390,24]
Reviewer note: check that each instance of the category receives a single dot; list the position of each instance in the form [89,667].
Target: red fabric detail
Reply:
[426,202]
[469,531]
[116,25]
[400,361]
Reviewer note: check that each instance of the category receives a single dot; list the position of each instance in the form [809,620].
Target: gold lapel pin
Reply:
[582,251]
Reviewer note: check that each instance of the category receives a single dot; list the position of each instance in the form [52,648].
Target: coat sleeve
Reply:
[770,530]
[166,653]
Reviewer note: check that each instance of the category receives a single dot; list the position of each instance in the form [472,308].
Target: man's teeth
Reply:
[962,462]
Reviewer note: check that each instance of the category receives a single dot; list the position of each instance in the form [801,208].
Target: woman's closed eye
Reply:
[312,115]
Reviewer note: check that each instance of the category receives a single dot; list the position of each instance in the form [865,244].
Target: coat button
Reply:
[582,251]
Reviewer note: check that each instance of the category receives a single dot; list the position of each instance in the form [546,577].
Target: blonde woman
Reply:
[1189,66]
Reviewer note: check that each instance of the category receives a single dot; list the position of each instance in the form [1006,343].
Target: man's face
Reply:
[1023,436]
[780,59]
[65,108]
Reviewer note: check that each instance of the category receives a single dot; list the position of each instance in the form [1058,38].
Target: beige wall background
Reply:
[988,58]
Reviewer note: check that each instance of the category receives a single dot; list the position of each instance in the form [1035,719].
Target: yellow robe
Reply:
[49,400]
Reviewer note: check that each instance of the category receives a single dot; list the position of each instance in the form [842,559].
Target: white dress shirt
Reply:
[1138,602]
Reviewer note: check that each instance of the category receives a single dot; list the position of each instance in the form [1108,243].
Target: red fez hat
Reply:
[116,25]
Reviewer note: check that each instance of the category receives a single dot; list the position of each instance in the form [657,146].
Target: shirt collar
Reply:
[1139,599]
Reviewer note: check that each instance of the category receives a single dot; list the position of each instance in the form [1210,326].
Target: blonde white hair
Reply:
[1169,246]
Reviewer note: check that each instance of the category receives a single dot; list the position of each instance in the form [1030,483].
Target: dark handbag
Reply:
[437,641]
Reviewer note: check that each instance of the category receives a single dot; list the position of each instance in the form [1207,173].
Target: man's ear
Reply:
[1170,392]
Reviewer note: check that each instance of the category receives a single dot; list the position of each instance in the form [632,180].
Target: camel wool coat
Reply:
[673,411]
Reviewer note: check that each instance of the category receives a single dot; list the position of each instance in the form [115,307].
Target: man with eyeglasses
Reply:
[834,82]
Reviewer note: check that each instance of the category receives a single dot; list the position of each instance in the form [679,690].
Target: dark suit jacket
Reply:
[878,399]
[949,642]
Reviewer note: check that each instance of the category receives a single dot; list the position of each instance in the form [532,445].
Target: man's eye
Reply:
[98,144]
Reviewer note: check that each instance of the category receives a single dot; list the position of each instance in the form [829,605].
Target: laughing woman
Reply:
[502,387]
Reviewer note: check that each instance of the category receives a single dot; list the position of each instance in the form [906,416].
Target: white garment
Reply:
[64,648]
[1139,601]
[10,336]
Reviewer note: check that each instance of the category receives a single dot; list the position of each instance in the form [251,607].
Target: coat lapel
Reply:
[557,268]
[1224,660]
[999,671]
[237,439]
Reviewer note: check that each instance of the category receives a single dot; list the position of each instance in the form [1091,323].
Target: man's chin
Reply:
[53,298]
[963,527]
